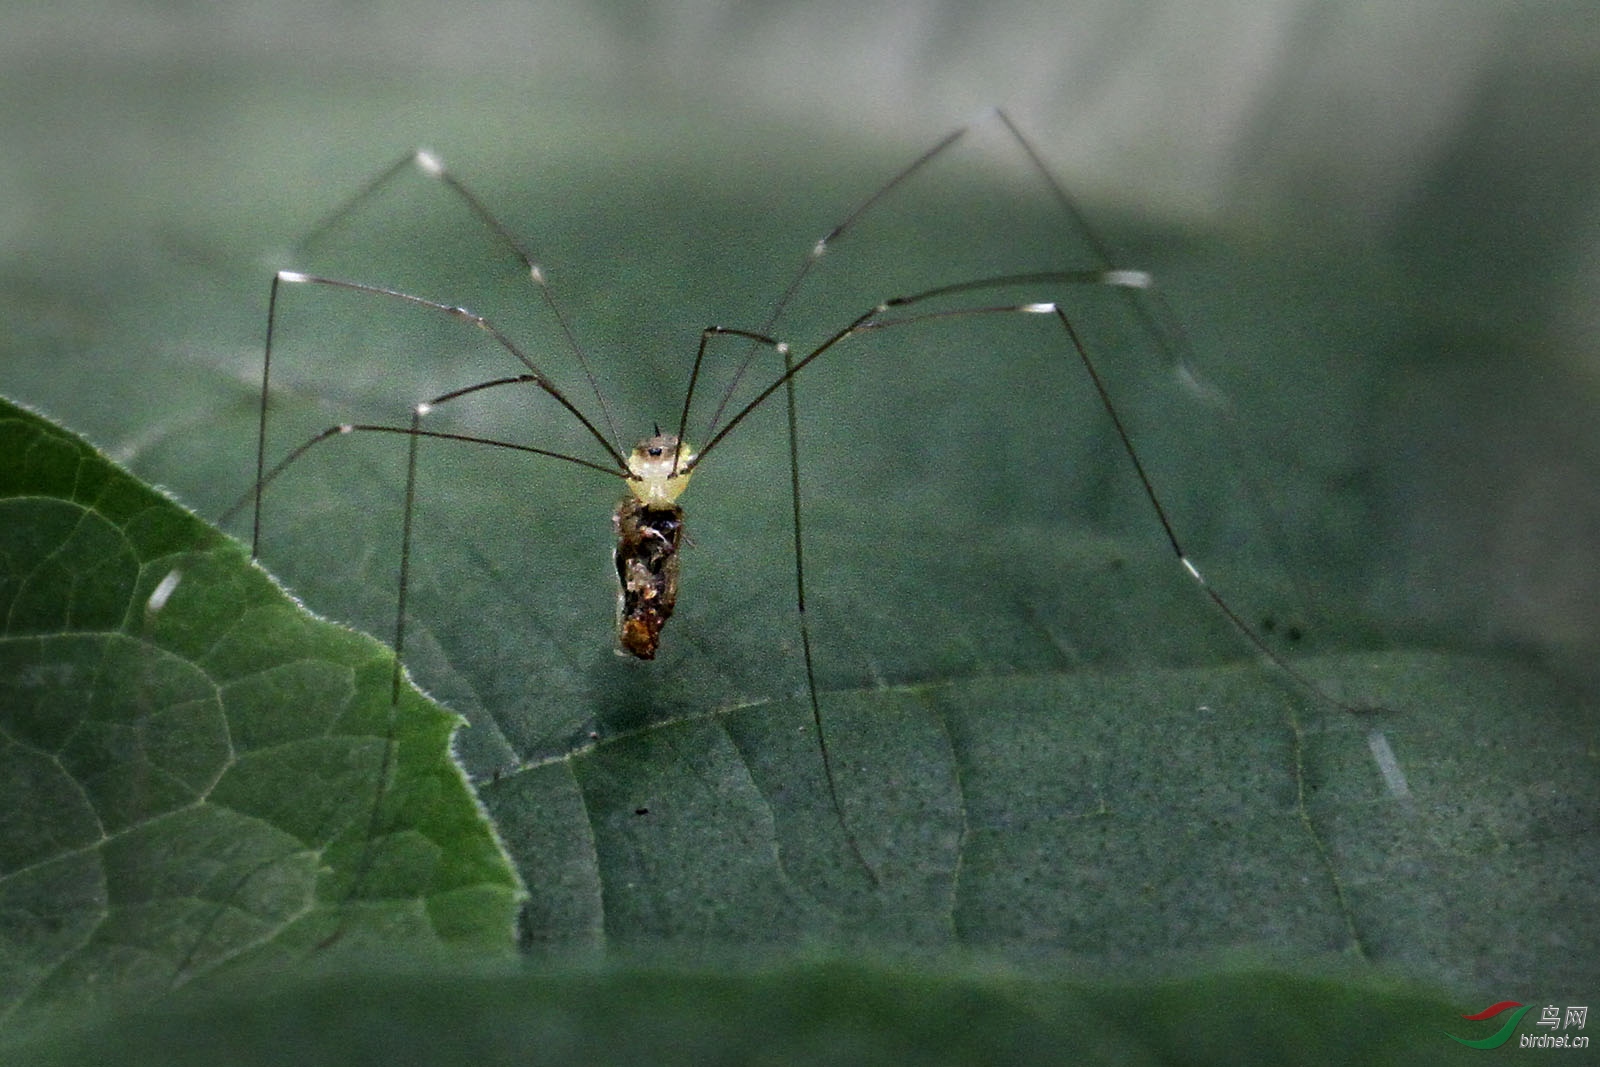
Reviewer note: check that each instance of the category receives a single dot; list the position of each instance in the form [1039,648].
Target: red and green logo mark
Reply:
[1501,1036]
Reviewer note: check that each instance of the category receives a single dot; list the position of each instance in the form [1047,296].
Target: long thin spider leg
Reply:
[346,428]
[537,376]
[375,819]
[1149,306]
[433,167]
[870,321]
[805,626]
[1068,205]
[817,251]
[386,764]
[1147,302]
[755,339]
[463,314]
[1244,628]
[1123,279]
[333,218]
[268,477]
[413,439]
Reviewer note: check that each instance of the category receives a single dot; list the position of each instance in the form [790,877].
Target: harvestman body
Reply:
[649,522]
[649,525]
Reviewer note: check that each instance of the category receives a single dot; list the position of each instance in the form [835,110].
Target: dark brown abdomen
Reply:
[648,536]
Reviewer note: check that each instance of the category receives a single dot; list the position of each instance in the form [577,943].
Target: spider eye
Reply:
[655,451]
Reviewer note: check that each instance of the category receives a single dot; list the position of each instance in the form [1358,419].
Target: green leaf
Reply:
[1050,748]
[191,777]
[1047,742]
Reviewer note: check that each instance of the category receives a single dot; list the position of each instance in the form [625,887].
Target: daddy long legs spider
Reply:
[957,438]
